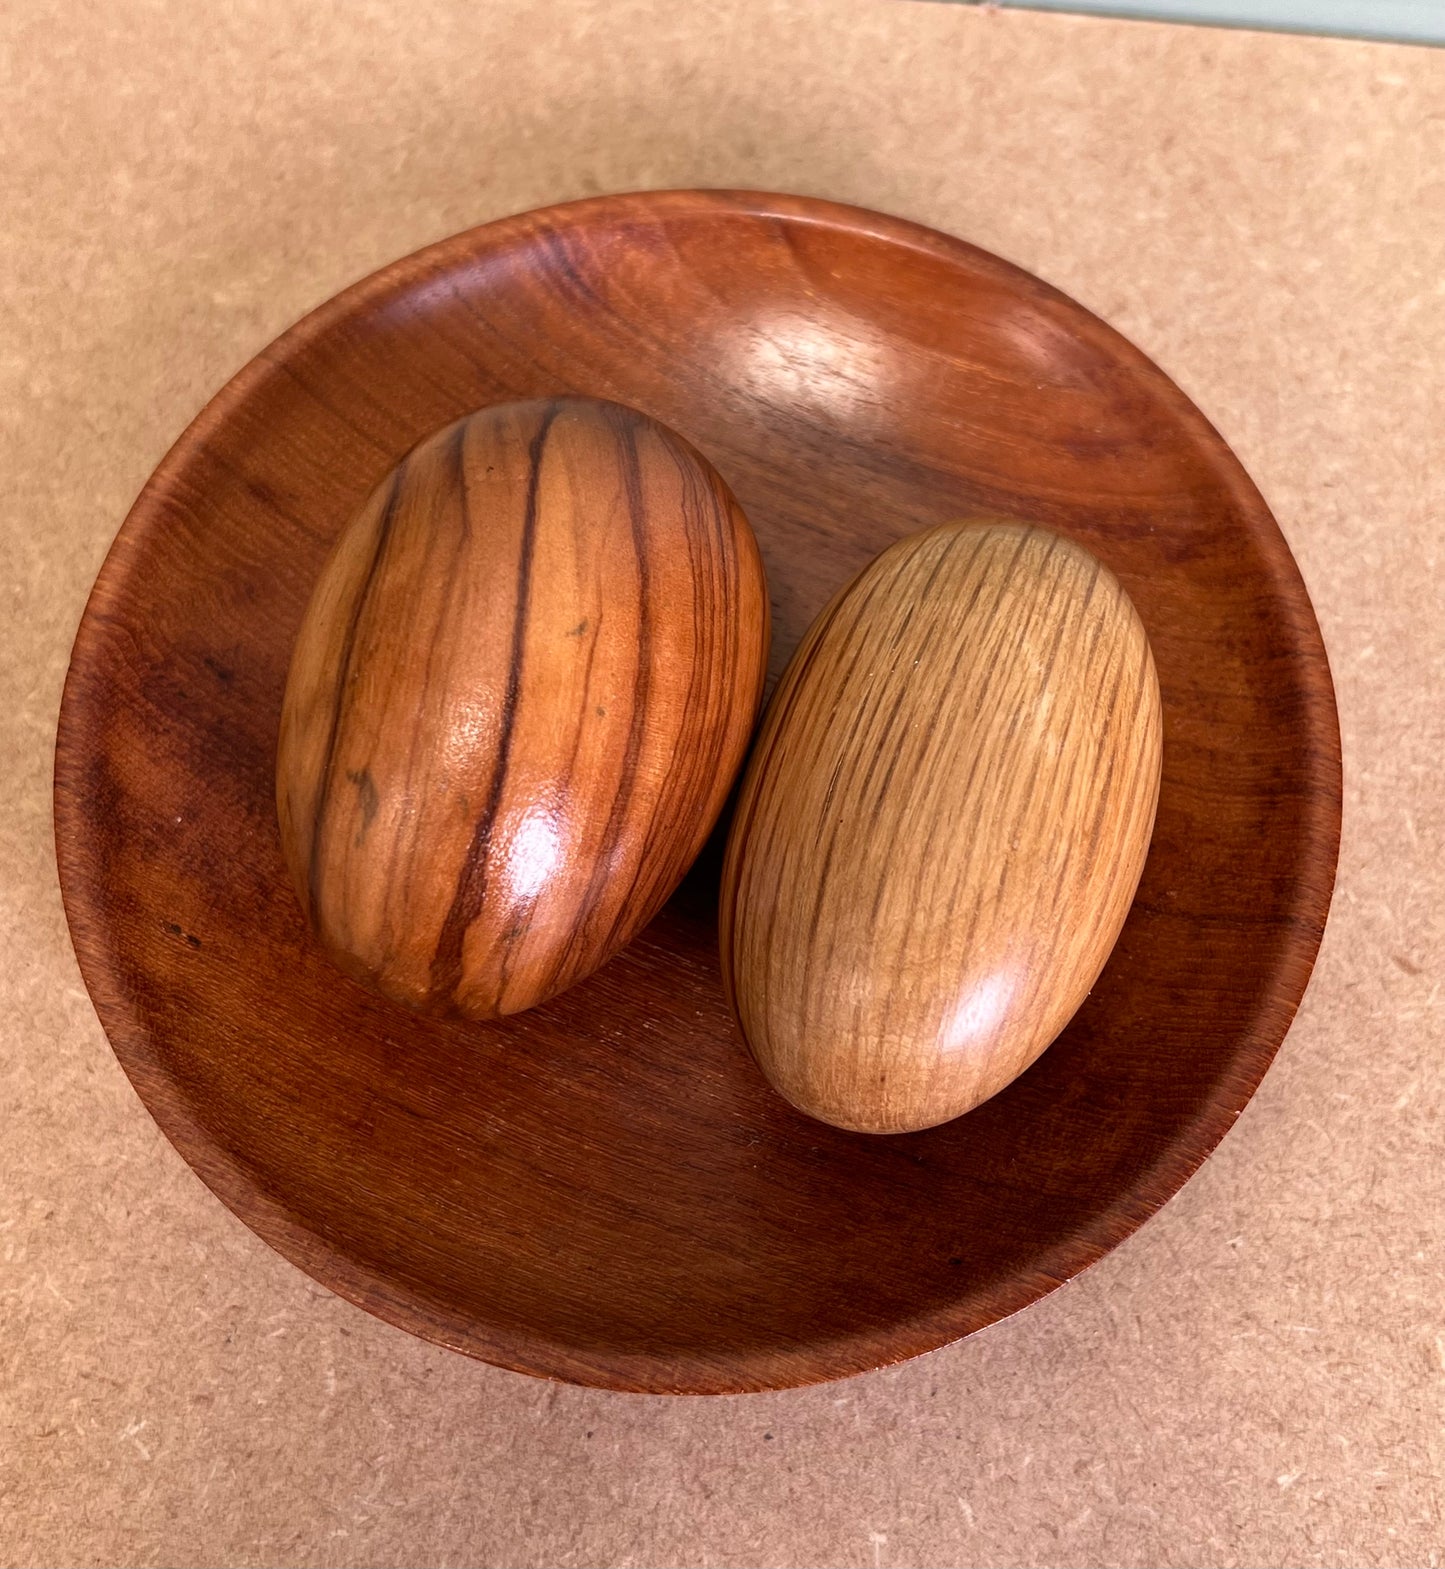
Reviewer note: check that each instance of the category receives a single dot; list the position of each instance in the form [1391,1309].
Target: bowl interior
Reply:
[605,1189]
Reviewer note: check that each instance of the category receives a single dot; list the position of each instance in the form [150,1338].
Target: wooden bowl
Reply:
[604,1189]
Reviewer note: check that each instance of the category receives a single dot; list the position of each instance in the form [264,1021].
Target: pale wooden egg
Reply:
[942,826]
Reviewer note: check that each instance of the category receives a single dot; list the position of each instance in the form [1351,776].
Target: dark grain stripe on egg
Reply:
[617,821]
[472,883]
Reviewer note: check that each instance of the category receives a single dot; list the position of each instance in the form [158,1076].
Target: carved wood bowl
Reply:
[604,1189]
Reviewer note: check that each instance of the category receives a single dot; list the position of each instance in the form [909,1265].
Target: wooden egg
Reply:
[518,700]
[942,826]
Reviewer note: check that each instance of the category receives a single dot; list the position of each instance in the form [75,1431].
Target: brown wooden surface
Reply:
[606,1189]
[942,825]
[519,698]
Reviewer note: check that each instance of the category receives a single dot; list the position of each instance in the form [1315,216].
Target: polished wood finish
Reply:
[518,700]
[942,825]
[605,1188]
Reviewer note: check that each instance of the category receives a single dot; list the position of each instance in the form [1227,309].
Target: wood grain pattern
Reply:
[605,1188]
[519,698]
[942,825]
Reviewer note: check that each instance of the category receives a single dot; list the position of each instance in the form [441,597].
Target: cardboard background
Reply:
[1258,1377]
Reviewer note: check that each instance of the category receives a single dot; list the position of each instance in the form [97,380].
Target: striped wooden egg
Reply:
[518,699]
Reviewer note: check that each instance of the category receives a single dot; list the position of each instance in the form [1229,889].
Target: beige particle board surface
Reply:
[1258,1377]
